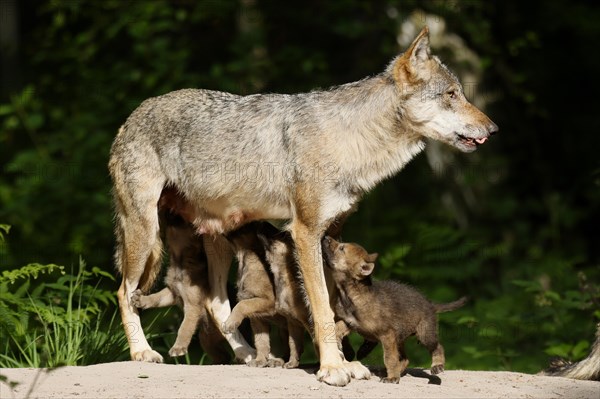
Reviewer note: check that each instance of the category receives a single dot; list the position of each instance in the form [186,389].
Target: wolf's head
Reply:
[434,103]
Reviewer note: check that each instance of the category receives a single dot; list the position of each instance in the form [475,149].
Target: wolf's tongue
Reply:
[481,141]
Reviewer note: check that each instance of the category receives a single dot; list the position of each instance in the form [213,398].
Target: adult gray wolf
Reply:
[305,157]
[384,311]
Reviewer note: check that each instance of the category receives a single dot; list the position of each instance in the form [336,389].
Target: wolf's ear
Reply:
[407,68]
[419,50]
[366,269]
[372,257]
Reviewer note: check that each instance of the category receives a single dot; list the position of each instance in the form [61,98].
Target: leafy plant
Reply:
[58,320]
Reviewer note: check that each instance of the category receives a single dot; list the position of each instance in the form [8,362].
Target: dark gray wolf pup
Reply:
[384,311]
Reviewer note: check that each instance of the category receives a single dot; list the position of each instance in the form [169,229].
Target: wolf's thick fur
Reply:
[384,311]
[586,369]
[186,286]
[305,157]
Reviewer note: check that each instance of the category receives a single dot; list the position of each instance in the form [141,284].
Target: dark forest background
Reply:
[515,226]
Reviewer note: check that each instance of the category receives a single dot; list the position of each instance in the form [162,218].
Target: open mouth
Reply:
[470,141]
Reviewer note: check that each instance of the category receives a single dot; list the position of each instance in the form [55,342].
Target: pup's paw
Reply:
[390,380]
[275,362]
[177,350]
[338,376]
[147,355]
[137,299]
[357,370]
[292,364]
[438,368]
[258,363]
[230,325]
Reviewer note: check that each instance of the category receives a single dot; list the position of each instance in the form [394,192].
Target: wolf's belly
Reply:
[223,215]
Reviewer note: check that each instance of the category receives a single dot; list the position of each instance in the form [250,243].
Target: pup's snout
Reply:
[492,128]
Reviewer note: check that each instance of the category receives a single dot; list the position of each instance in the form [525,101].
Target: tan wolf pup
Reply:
[384,311]
[268,286]
[187,286]
[304,157]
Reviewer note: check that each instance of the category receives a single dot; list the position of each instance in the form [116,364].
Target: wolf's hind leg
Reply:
[139,251]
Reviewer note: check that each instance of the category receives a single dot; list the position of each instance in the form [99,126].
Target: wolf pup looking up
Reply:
[385,311]
[308,158]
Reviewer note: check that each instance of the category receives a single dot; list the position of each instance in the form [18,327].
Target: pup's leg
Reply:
[428,336]
[403,358]
[219,256]
[262,341]
[253,307]
[391,358]
[296,344]
[192,311]
[308,246]
[161,299]
[138,252]
[438,359]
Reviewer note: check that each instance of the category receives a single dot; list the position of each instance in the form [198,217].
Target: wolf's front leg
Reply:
[219,257]
[308,246]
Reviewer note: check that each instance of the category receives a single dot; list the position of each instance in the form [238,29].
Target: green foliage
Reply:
[57,321]
[513,225]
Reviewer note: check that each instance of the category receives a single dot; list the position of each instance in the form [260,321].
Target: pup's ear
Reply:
[419,50]
[372,257]
[366,269]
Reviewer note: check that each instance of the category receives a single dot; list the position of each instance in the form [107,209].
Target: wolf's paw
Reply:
[258,363]
[438,368]
[390,380]
[292,364]
[244,355]
[338,376]
[357,370]
[275,362]
[177,350]
[147,355]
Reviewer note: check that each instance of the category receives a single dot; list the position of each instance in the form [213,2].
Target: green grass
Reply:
[52,318]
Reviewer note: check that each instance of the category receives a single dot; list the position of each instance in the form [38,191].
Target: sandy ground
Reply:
[143,380]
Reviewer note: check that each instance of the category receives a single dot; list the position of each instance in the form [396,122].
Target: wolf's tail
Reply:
[587,369]
[447,307]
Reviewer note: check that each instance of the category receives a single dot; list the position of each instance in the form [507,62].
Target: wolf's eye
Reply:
[452,94]
[341,248]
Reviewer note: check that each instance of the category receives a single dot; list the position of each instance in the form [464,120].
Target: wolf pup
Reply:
[268,285]
[187,286]
[308,158]
[385,311]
